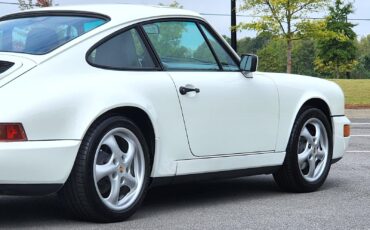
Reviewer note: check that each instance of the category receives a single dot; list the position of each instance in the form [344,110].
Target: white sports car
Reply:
[100,102]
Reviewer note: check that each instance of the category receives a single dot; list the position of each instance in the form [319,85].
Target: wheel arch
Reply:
[319,104]
[140,118]
[316,102]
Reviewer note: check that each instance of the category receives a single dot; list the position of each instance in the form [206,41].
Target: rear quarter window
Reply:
[42,34]
[123,51]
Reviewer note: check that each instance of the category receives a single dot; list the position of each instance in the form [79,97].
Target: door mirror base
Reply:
[248,63]
[247,74]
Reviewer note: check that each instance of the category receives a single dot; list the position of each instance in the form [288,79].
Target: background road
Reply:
[245,203]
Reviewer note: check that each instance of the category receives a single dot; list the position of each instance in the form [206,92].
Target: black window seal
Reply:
[116,33]
[150,47]
[210,47]
[210,29]
[222,43]
[66,13]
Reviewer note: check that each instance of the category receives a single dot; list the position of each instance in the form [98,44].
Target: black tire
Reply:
[289,176]
[79,194]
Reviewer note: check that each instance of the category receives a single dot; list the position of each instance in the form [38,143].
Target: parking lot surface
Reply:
[245,203]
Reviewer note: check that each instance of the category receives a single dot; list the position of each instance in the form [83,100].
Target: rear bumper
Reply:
[340,142]
[23,164]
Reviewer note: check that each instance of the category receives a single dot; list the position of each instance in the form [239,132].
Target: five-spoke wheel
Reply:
[308,154]
[119,168]
[111,173]
[313,149]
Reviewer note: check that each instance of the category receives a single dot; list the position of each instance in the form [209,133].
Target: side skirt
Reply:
[159,181]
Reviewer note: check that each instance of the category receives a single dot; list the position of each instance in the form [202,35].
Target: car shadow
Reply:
[46,211]
[203,192]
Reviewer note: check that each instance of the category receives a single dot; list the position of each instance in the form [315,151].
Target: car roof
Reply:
[120,13]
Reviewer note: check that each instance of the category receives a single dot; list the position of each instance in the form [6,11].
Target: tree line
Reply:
[289,41]
[305,56]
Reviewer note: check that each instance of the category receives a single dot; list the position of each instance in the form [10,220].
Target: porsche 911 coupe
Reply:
[101,102]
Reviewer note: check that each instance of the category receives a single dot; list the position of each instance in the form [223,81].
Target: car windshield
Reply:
[42,34]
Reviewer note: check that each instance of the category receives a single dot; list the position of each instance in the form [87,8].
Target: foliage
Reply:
[174,4]
[202,52]
[284,19]
[304,57]
[252,45]
[26,5]
[363,55]
[168,41]
[271,58]
[337,55]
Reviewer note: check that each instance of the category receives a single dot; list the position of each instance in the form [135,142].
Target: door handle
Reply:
[184,90]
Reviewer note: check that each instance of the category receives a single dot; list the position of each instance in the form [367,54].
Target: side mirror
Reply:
[249,63]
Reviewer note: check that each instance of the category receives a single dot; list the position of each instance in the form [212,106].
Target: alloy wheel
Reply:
[119,168]
[313,149]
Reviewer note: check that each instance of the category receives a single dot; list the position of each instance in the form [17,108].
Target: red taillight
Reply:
[12,132]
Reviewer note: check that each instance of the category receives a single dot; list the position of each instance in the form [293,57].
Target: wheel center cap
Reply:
[121,169]
[315,151]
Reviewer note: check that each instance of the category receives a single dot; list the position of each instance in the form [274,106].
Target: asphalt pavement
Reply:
[245,203]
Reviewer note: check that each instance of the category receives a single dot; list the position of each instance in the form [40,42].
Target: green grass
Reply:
[357,92]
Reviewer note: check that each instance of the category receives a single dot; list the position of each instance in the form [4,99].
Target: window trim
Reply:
[197,22]
[153,53]
[142,24]
[220,67]
[221,43]
[158,67]
[45,13]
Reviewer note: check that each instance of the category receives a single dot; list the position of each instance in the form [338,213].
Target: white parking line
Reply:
[360,151]
[360,123]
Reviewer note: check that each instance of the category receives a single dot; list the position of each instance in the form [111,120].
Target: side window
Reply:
[226,61]
[124,51]
[180,45]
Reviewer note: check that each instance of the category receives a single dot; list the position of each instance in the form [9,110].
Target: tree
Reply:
[271,58]
[337,55]
[363,49]
[304,57]
[23,5]
[252,45]
[174,4]
[364,45]
[285,19]
[168,40]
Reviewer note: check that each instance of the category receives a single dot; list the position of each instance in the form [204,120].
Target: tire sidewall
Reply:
[93,142]
[292,150]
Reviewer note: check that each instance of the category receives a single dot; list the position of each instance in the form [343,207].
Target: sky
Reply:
[220,23]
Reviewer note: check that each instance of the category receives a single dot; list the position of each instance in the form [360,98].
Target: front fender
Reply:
[294,92]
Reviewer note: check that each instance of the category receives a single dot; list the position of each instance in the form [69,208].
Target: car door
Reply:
[224,112]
